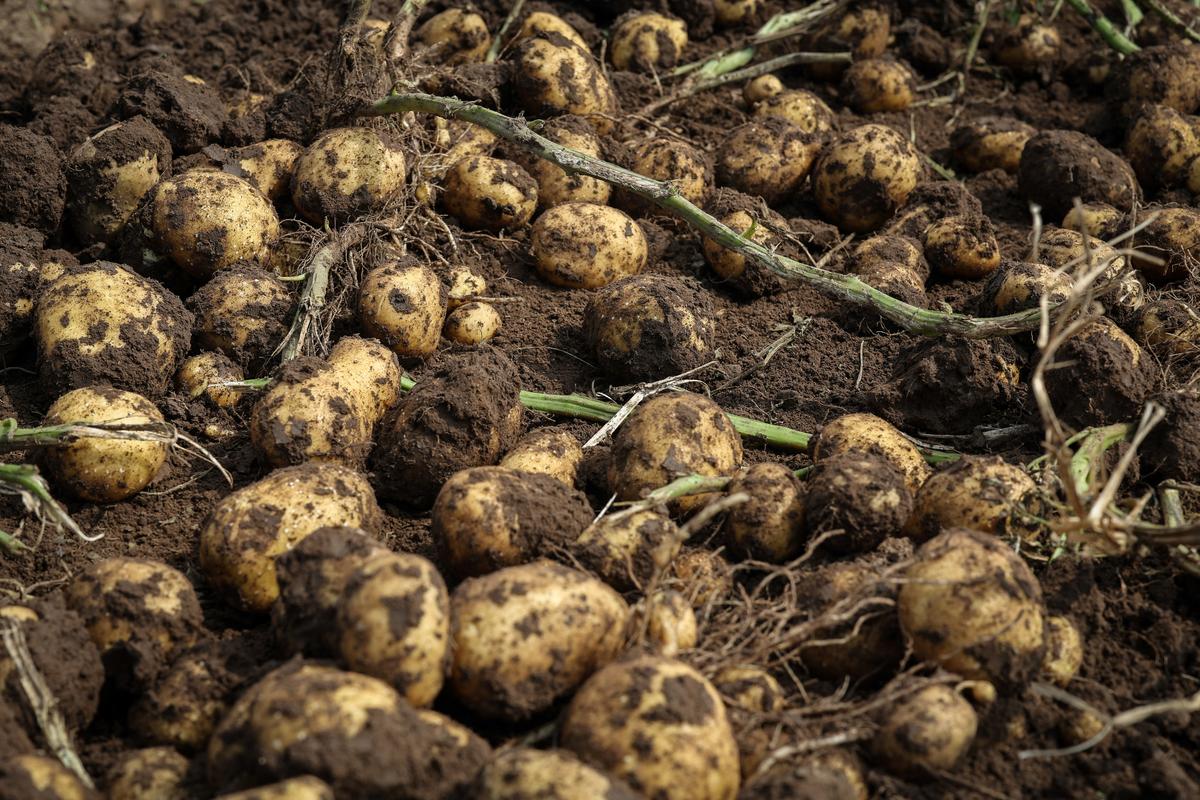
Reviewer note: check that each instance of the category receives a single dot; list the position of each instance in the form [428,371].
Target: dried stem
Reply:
[312,298]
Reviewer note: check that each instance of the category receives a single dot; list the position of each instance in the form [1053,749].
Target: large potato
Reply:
[878,84]
[540,23]
[586,246]
[347,173]
[860,494]
[871,434]
[802,109]
[526,636]
[982,493]
[864,175]
[1102,377]
[243,312]
[522,773]
[678,163]
[628,550]
[769,158]
[490,193]
[547,451]
[1059,166]
[403,307]
[1161,145]
[247,530]
[554,76]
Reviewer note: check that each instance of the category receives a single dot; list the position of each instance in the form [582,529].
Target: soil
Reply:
[1138,614]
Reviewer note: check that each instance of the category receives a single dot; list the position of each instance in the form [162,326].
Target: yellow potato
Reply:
[982,493]
[547,451]
[554,184]
[647,42]
[990,143]
[761,88]
[303,788]
[1064,650]
[44,777]
[864,175]
[586,246]
[871,434]
[668,160]
[930,730]
[197,375]
[770,525]
[523,773]
[347,173]
[465,286]
[403,307]
[1018,285]
[769,158]
[554,76]
[628,550]
[458,36]
[877,85]
[490,193]
[472,323]
[668,623]
[155,773]
[243,312]
[962,246]
[267,165]
[540,23]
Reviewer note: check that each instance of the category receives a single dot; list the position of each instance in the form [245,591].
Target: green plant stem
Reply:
[1172,18]
[666,196]
[10,544]
[1104,26]
[24,481]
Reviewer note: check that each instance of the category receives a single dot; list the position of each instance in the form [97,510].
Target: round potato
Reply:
[1029,46]
[155,773]
[761,88]
[801,108]
[1020,285]
[457,36]
[1059,166]
[665,622]
[347,173]
[1161,145]
[878,84]
[472,323]
[490,193]
[770,525]
[196,377]
[647,42]
[628,549]
[522,773]
[267,165]
[859,493]
[554,184]
[864,175]
[586,246]
[1169,327]
[749,688]
[990,143]
[1104,377]
[553,76]
[704,576]
[870,434]
[1064,650]
[243,312]
[671,161]
[1098,220]
[769,158]
[962,247]
[926,732]
[404,307]
[745,275]
[465,286]
[734,12]
[893,264]
[547,451]
[983,493]
[1173,237]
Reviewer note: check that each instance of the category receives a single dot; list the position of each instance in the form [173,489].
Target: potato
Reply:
[647,42]
[41,777]
[1064,650]
[863,176]
[704,576]
[734,12]
[354,732]
[346,174]
[527,636]
[553,76]
[1166,74]
[303,788]
[648,327]
[155,773]
[487,518]
[472,323]
[394,624]
[103,323]
[243,312]
[983,493]
[926,732]
[1020,285]
[541,23]
[749,688]
[462,139]
[205,221]
[522,773]
[628,550]
[671,740]
[267,165]
[1028,47]
[247,530]
[140,614]
[109,175]
[878,84]
[457,36]
[863,30]
[1104,376]
[671,161]
[25,272]
[197,375]
[465,285]
[1060,247]
[547,451]
[829,774]
[1168,327]
[1059,166]
[326,410]
[1079,726]
[1173,237]
[972,605]
[1098,220]
[103,470]
[489,193]
[586,246]
[893,264]
[666,623]
[1161,145]
[744,275]
[669,436]
[761,88]
[554,184]
[403,307]
[988,143]
[769,159]
[770,525]
[859,493]
[870,434]
[962,247]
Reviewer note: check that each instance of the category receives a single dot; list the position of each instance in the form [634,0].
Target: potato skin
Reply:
[770,526]
[36,776]
[871,434]
[526,636]
[801,108]
[346,173]
[472,323]
[861,494]
[962,246]
[1058,166]
[243,312]
[490,193]
[1064,650]
[878,84]
[672,739]
[647,41]
[154,773]
[245,532]
[627,550]
[403,307]
[982,493]
[554,184]
[553,76]
[461,37]
[540,23]
[547,451]
[523,773]
[990,143]
[1019,285]
[586,246]
[760,89]
[197,373]
[671,161]
[931,730]
[1160,146]
[863,176]
[769,158]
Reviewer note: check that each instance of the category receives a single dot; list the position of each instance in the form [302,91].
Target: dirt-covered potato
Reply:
[43,777]
[1161,145]
[667,437]
[1029,47]
[103,470]
[769,158]
[198,373]
[1057,166]
[863,29]
[540,23]
[205,221]
[248,529]
[243,312]
[702,575]
[1103,376]
[109,175]
[1020,285]
[801,108]
[305,787]
[403,307]
[490,193]
[672,739]
[864,175]
[749,688]
[326,410]
[268,165]
[962,247]
[870,434]
[1064,650]
[761,88]
[1099,220]
[1174,238]
[665,623]
[1165,74]
[1171,450]
[926,732]
[347,173]
[354,732]
[833,774]
[647,327]
[103,323]
[627,550]
[554,184]
[393,623]
[465,285]
[553,76]
[744,275]
[140,614]
[1168,327]
[970,603]
[586,246]
[1064,250]
[667,160]
[547,451]
[458,36]
[527,636]
[859,493]
[486,518]
[983,493]
[878,84]
[523,773]
[472,323]
[770,525]
[988,143]
[893,264]
[647,42]
[155,773]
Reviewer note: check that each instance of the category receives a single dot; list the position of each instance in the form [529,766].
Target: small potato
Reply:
[547,451]
[103,323]
[1174,238]
[761,88]
[1161,145]
[647,42]
[1104,377]
[801,108]
[745,275]
[829,774]
[523,773]
[672,739]
[586,246]
[860,494]
[1019,285]
[490,193]
[1029,47]
[140,614]
[648,327]
[1079,726]
[962,247]
[527,636]
[554,184]
[155,773]
[1098,220]
[927,732]
[197,375]
[1064,650]
[267,165]
[671,161]
[103,470]
[109,175]
[734,12]
[486,518]
[1168,328]
[703,576]
[465,285]
[668,436]
[770,525]
[878,84]
[769,159]
[864,175]
[303,788]
[971,604]
[42,777]
[983,493]
[404,307]
[347,173]
[1059,166]
[243,312]
[554,76]
[248,529]
[989,143]
[871,434]
[460,37]
[749,688]
[666,622]
[394,624]
[205,221]
[472,323]
[628,550]
[540,23]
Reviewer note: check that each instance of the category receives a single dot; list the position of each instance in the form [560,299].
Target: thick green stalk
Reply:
[1104,26]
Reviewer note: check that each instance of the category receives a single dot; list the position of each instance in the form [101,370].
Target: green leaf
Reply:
[1133,14]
